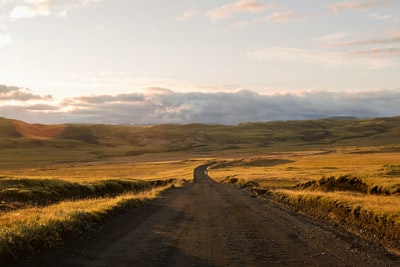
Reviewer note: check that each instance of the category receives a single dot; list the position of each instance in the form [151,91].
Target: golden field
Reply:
[64,178]
[355,187]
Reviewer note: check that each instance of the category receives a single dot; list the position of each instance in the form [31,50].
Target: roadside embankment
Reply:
[347,204]
[35,228]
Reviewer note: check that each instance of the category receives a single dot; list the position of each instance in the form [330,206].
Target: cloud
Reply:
[36,8]
[104,99]
[381,17]
[295,55]
[186,15]
[242,6]
[378,52]
[158,105]
[382,52]
[5,39]
[42,108]
[281,17]
[358,6]
[372,58]
[275,17]
[19,94]
[29,11]
[332,37]
[376,41]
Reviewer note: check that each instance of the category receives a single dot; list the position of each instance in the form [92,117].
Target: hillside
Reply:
[94,141]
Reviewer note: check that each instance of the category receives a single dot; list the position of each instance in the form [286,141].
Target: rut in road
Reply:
[209,224]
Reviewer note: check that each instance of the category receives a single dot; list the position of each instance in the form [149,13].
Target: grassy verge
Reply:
[16,193]
[39,205]
[153,167]
[375,218]
[358,191]
[29,230]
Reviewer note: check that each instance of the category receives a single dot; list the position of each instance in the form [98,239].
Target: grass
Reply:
[292,168]
[16,193]
[154,168]
[63,179]
[355,187]
[28,230]
[376,218]
[44,200]
[88,142]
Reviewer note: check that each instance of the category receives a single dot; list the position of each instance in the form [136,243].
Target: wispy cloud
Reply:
[374,58]
[36,8]
[241,6]
[281,17]
[162,105]
[333,37]
[358,6]
[373,41]
[276,17]
[5,39]
[381,17]
[186,15]
[377,52]
[295,54]
[30,11]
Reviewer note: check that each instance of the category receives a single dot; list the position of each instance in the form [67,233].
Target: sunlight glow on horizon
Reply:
[102,49]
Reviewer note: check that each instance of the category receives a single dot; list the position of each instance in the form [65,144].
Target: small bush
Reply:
[332,183]
[241,183]
[391,170]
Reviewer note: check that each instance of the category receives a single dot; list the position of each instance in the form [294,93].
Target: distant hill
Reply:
[119,140]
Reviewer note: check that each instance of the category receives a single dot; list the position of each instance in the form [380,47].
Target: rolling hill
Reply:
[93,141]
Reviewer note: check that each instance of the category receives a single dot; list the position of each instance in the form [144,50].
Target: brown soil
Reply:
[209,224]
[38,131]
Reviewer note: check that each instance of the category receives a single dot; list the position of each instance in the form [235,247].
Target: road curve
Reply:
[209,224]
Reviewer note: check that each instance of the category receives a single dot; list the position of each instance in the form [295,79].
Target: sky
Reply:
[183,61]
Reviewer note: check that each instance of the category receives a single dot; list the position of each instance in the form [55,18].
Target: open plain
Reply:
[296,193]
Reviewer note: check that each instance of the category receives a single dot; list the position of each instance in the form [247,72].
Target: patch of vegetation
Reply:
[332,183]
[375,225]
[367,206]
[391,170]
[241,183]
[252,162]
[23,192]
[40,228]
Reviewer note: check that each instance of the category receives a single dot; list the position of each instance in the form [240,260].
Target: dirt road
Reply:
[209,224]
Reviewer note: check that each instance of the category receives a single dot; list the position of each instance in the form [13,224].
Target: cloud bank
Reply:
[160,105]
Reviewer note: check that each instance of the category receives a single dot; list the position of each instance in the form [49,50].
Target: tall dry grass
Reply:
[357,188]
[29,230]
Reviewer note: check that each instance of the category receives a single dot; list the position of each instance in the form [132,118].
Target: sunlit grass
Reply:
[357,188]
[96,171]
[375,203]
[53,186]
[312,165]
[35,228]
